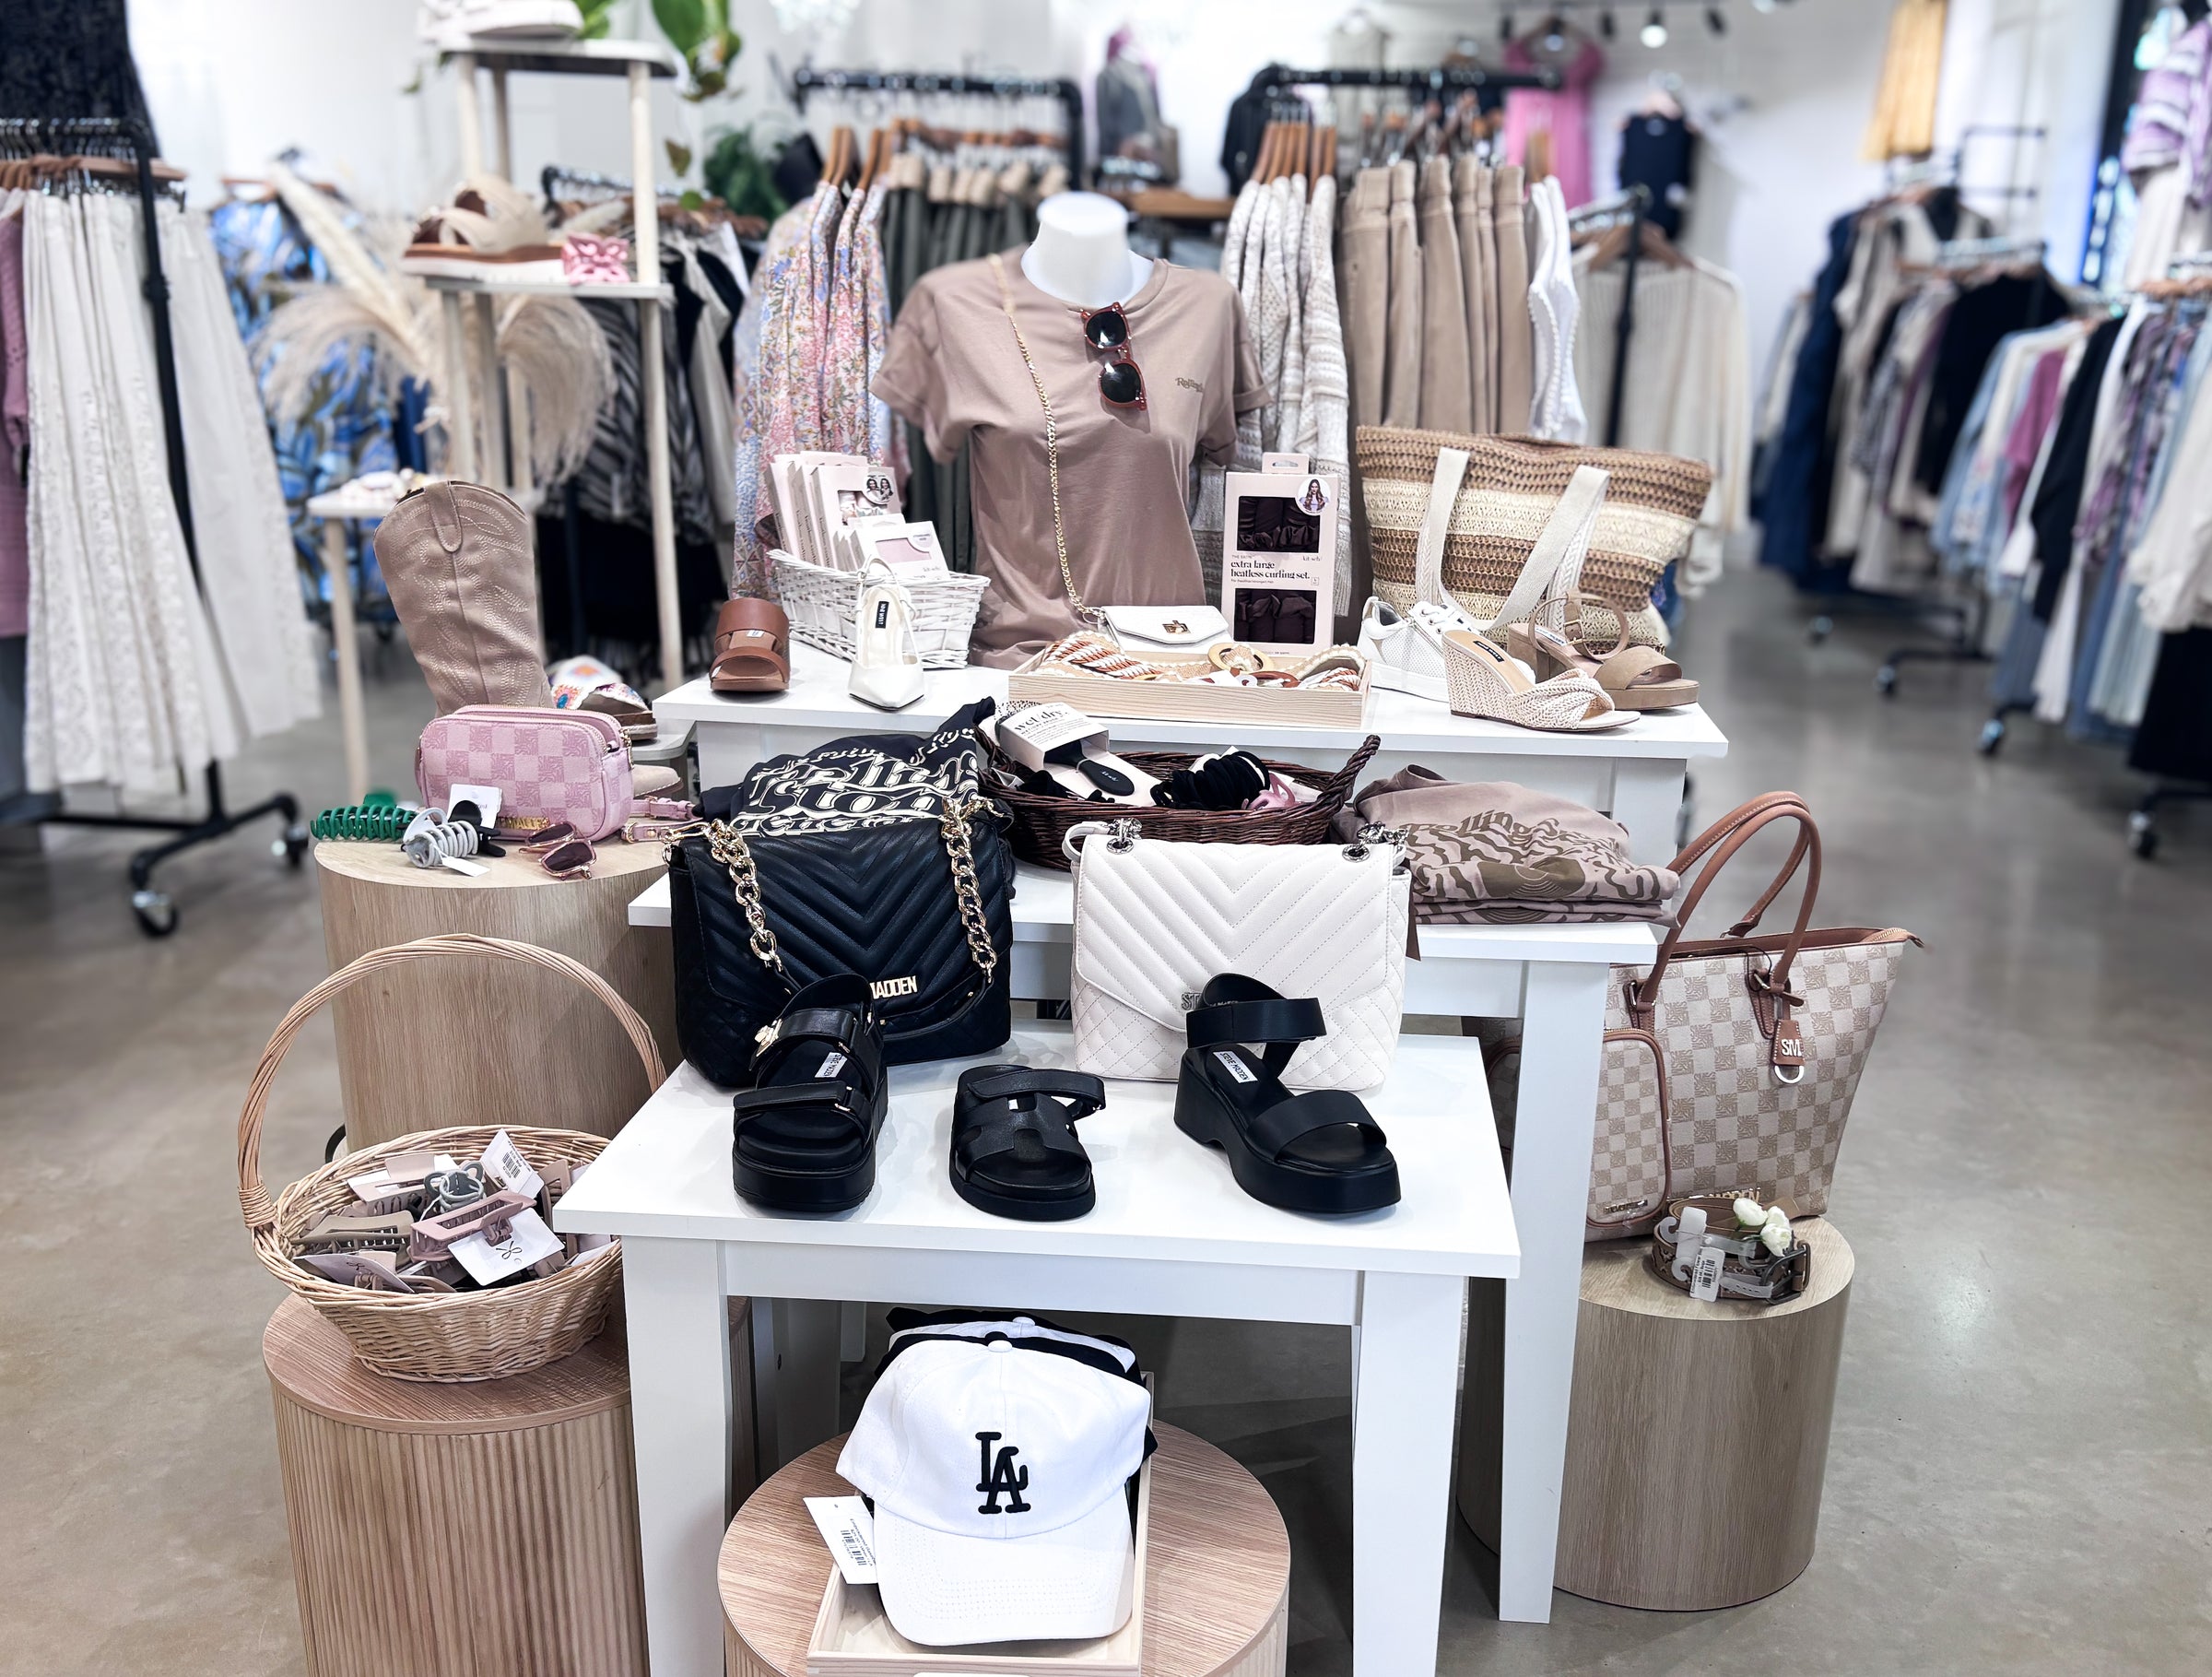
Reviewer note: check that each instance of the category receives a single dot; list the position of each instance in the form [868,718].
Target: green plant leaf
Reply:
[683,22]
[680,156]
[691,198]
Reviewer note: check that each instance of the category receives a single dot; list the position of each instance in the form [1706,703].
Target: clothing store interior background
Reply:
[1605,416]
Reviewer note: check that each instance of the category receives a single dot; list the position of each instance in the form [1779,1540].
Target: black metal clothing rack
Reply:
[807,82]
[111,135]
[1441,79]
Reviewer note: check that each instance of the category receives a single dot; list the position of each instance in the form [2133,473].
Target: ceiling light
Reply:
[1763,5]
[1716,21]
[1654,30]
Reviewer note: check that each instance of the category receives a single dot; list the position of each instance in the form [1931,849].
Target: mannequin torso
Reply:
[1082,254]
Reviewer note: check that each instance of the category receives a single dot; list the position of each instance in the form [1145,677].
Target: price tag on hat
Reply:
[846,1527]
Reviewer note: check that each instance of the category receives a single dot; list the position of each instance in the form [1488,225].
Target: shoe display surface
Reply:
[1320,1151]
[1013,1146]
[450,25]
[804,1136]
[887,665]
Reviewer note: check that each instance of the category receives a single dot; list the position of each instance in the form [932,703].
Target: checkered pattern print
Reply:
[1628,1160]
[1732,1123]
[560,769]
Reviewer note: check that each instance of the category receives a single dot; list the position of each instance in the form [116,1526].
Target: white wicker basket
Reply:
[823,605]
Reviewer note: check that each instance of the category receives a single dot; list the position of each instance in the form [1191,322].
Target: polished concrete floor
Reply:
[2021,1479]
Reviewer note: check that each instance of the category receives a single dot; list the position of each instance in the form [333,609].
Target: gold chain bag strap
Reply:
[1084,614]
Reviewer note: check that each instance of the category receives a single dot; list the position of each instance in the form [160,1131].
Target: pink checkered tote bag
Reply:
[1731,1062]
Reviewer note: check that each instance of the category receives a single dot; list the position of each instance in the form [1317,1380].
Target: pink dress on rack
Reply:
[1565,116]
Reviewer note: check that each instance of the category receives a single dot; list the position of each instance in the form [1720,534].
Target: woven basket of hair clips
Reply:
[483,1335]
[1042,821]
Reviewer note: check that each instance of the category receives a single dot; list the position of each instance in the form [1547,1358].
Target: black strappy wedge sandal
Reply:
[1318,1151]
[805,1134]
[1013,1146]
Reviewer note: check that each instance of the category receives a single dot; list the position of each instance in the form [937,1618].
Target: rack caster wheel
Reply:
[292,846]
[1884,680]
[1820,629]
[1992,736]
[157,914]
[2143,835]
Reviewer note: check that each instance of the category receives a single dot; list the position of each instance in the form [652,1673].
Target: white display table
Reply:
[1173,1234]
[1634,773]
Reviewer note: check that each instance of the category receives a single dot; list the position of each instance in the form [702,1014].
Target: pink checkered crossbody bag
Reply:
[1731,1063]
[549,766]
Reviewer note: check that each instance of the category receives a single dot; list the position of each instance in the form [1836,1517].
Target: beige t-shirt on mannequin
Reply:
[953,368]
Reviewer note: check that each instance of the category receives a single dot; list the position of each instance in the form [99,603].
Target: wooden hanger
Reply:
[1324,159]
[1612,244]
[840,154]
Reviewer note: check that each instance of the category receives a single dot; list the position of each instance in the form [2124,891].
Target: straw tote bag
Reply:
[1512,487]
[1730,1065]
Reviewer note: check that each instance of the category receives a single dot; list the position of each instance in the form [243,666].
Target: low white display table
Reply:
[1634,773]
[1172,1235]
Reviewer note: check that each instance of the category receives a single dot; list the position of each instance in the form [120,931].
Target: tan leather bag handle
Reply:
[1723,839]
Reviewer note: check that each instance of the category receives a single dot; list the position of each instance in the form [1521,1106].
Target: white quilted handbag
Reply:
[1156,919]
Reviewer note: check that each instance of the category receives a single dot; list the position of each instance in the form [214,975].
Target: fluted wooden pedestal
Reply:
[1217,1590]
[1697,1434]
[458,1530]
[539,1050]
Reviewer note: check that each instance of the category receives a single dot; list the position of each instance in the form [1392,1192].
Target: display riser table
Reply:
[1635,773]
[1172,1235]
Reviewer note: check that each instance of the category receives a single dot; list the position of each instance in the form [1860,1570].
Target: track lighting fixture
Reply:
[1654,30]
[1607,25]
[1715,20]
[1555,33]
[1505,25]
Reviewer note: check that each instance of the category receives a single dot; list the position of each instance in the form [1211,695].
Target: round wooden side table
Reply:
[451,1033]
[1217,1590]
[455,1530]
[1697,1437]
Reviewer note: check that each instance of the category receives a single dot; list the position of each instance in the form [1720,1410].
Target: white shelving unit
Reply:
[639,62]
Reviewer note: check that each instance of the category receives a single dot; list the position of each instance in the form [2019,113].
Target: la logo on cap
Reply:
[1001,1478]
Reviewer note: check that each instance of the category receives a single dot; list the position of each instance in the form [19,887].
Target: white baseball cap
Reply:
[998,1477]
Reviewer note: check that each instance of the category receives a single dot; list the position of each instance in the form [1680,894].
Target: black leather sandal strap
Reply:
[840,1028]
[1282,1023]
[1275,1131]
[820,1094]
[979,1085]
[998,1134]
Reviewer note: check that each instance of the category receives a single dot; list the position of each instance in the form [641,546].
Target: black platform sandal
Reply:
[1317,1152]
[805,1134]
[1013,1146]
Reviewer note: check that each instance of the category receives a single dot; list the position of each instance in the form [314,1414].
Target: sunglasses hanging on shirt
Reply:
[1120,382]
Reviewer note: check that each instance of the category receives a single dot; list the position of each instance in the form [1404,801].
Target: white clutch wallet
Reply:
[1184,628]
[1156,919]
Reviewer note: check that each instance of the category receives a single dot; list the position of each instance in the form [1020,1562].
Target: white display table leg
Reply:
[680,1405]
[460,406]
[1404,1401]
[1562,1041]
[352,726]
[1647,800]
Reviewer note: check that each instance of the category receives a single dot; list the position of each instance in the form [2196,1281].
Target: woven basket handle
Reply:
[254,1199]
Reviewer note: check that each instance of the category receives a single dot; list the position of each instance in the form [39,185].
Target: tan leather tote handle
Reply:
[1723,839]
[254,1199]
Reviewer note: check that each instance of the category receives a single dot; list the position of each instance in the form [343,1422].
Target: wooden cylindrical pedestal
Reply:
[1217,1590]
[442,1530]
[420,1044]
[1697,1434]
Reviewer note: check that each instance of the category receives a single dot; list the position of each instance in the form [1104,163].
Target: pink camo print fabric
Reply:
[552,765]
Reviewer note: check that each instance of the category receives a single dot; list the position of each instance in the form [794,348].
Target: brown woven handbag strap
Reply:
[1723,839]
[254,1199]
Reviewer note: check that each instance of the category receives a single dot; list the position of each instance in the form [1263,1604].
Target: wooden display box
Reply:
[853,1638]
[1264,706]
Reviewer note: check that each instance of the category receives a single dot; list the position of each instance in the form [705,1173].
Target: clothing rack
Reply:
[1635,204]
[804,83]
[1443,78]
[126,136]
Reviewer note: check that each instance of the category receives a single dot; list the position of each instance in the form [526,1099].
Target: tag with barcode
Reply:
[1705,1275]
[850,1532]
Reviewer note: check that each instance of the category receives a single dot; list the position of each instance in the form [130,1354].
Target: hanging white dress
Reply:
[249,574]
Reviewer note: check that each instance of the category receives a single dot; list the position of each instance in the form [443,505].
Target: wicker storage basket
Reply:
[1041,822]
[822,606]
[434,1336]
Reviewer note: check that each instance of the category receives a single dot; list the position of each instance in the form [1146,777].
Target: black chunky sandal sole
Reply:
[1025,1208]
[1203,1114]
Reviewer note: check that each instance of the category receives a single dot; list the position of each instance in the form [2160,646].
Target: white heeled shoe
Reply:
[887,669]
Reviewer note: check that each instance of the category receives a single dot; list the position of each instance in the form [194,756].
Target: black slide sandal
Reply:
[803,1136]
[1319,1151]
[1013,1146]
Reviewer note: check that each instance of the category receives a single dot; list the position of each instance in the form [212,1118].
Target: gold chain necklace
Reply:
[1084,614]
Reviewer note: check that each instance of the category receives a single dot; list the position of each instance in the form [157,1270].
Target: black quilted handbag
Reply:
[878,856]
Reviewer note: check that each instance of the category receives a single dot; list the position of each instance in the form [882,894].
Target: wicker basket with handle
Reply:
[1042,821]
[434,1336]
[822,606]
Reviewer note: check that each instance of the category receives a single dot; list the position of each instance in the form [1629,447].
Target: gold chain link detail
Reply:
[729,849]
[1051,444]
[955,820]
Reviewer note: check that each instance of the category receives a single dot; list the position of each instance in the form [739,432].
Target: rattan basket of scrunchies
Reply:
[434,1336]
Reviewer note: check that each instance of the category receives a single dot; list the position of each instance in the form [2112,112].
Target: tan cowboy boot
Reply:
[457,560]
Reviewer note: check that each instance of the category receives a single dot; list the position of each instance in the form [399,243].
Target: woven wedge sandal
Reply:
[1484,681]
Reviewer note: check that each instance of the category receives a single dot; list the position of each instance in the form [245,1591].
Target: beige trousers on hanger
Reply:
[1446,386]
[1363,283]
[1516,343]
[1478,253]
[1402,369]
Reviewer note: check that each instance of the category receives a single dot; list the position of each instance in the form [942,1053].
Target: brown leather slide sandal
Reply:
[752,648]
[1634,678]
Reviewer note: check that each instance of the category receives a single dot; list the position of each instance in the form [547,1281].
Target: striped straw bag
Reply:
[1512,487]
